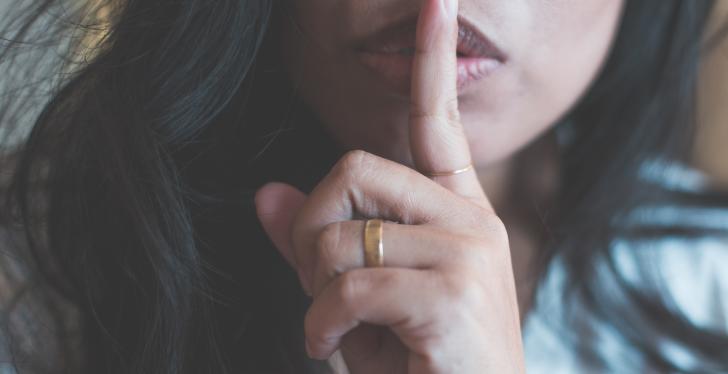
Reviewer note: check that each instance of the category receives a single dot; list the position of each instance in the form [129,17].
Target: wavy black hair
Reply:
[152,123]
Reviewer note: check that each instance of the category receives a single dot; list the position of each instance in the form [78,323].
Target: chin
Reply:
[485,156]
[495,147]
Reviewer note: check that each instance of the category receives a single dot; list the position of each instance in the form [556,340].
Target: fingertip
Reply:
[320,354]
[317,353]
[276,206]
[260,199]
[262,194]
[318,348]
[274,197]
[437,16]
[450,8]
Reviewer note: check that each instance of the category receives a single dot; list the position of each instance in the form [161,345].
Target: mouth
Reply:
[389,53]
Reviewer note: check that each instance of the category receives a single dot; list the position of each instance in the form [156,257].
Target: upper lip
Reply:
[400,36]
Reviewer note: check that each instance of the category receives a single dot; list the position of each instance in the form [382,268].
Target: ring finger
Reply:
[340,247]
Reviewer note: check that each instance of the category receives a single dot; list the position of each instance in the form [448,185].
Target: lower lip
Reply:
[396,69]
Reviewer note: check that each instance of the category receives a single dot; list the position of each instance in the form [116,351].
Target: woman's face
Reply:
[539,56]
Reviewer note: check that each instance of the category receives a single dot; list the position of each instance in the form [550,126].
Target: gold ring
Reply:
[373,246]
[449,173]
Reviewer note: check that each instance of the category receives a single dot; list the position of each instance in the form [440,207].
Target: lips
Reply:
[400,38]
[389,53]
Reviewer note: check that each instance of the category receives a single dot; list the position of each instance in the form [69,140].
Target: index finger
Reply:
[437,138]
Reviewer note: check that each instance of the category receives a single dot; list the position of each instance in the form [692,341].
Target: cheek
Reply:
[558,58]
[568,48]
[556,47]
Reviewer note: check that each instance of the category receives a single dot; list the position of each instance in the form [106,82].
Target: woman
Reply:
[196,195]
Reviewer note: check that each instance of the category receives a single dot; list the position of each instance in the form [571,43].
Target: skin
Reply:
[446,299]
[554,50]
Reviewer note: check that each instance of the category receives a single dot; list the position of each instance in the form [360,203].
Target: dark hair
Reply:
[134,188]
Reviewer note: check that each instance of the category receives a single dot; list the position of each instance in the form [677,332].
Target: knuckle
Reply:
[494,229]
[351,285]
[485,250]
[421,115]
[487,225]
[470,252]
[472,258]
[353,164]
[464,288]
[447,114]
[463,279]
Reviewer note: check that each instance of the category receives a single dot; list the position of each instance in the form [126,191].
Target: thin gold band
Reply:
[373,246]
[448,173]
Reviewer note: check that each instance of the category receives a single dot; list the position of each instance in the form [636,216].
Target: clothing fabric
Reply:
[693,279]
[689,273]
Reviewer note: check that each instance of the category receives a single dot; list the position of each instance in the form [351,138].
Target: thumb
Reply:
[276,205]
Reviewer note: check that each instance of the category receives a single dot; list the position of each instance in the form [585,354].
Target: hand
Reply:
[445,300]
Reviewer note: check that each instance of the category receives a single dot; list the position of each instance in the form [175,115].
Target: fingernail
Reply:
[450,7]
